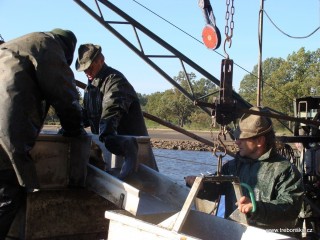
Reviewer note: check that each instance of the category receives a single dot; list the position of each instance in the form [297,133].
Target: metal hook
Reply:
[228,39]
[220,143]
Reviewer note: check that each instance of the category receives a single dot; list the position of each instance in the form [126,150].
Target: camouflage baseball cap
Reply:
[251,125]
[86,54]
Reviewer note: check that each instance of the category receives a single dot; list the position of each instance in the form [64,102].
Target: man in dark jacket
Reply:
[276,183]
[111,107]
[35,73]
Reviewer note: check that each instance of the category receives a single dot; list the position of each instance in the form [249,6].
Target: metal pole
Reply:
[185,132]
[260,79]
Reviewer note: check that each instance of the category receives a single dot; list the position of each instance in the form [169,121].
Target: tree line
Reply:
[283,80]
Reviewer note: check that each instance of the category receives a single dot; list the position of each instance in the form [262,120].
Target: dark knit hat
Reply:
[69,39]
[86,55]
[67,35]
[251,125]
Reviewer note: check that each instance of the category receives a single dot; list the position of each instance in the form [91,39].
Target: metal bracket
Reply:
[182,216]
[121,200]
[236,215]
[225,105]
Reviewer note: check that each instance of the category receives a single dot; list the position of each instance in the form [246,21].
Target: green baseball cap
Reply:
[86,55]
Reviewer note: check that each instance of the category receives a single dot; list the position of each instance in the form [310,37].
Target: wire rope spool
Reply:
[211,37]
[210,34]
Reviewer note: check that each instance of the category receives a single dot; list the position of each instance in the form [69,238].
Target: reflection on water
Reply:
[177,164]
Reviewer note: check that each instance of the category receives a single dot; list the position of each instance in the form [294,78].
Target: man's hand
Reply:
[189,180]
[244,205]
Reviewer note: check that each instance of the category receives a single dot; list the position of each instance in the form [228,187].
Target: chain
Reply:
[229,27]
[219,145]
[213,124]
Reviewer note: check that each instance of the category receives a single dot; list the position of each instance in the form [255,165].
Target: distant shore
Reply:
[171,139]
[155,133]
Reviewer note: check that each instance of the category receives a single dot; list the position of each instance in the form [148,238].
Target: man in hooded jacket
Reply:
[276,183]
[34,74]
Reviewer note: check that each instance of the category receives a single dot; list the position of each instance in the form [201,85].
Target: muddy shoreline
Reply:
[187,145]
[170,139]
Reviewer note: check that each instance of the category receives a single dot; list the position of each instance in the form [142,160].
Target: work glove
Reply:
[125,146]
[130,158]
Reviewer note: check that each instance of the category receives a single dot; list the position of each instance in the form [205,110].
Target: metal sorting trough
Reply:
[185,224]
[71,203]
[72,198]
[145,192]
[198,225]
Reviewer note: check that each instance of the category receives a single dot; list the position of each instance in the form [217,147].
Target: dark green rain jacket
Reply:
[277,186]
[111,104]
[112,108]
[34,73]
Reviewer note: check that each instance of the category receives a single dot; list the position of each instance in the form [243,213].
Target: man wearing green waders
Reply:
[276,183]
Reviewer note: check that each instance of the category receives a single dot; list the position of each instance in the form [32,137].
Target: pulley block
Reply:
[211,37]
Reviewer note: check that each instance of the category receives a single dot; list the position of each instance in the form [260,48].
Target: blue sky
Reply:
[297,18]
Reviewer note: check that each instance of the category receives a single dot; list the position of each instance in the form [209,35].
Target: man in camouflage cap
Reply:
[35,74]
[276,183]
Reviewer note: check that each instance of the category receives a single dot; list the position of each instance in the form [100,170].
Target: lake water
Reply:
[177,164]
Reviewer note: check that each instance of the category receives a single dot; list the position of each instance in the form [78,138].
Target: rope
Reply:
[188,34]
[300,37]
[247,71]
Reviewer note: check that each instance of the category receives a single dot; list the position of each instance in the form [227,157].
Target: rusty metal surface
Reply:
[66,214]
[61,161]
[62,211]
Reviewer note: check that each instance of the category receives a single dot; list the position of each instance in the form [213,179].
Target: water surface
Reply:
[177,164]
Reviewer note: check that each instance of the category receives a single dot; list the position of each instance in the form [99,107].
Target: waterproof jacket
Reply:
[277,186]
[34,75]
[112,105]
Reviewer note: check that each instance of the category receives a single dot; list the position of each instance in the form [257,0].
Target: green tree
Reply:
[175,107]
[154,105]
[51,117]
[200,120]
[292,79]
[284,80]
[143,99]
[248,85]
